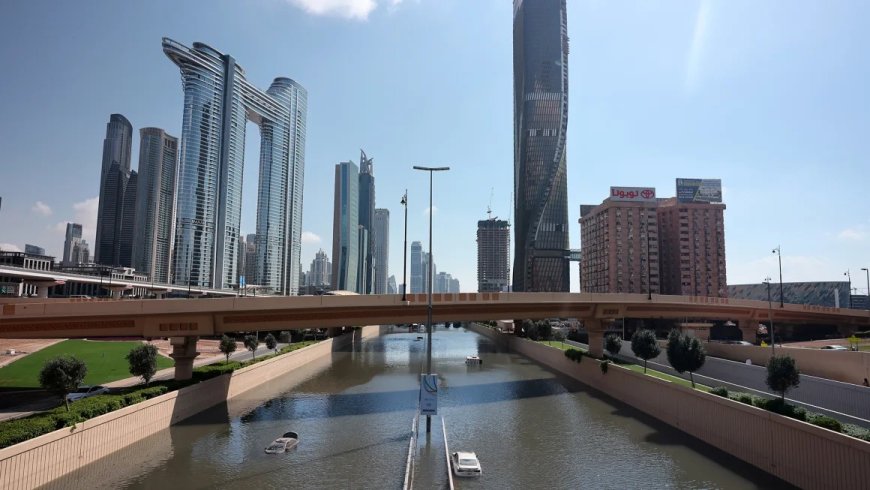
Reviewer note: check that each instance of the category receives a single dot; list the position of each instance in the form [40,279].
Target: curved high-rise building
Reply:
[540,129]
[218,102]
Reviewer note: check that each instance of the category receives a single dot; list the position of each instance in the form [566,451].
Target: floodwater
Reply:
[530,427]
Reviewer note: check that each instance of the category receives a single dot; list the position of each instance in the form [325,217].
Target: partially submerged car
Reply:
[465,463]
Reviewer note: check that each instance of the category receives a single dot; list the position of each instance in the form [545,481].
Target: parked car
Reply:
[834,347]
[85,392]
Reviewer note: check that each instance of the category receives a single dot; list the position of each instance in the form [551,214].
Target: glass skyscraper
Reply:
[345,228]
[155,203]
[114,240]
[218,102]
[381,250]
[366,222]
[540,124]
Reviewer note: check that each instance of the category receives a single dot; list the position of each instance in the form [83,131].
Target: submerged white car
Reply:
[465,464]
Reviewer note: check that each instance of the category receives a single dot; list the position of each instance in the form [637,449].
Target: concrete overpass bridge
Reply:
[185,320]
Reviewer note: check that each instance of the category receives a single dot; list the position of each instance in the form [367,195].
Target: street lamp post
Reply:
[405,251]
[847,274]
[866,270]
[779,256]
[770,317]
[429,307]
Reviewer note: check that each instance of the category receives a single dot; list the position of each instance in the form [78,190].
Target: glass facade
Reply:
[345,228]
[366,222]
[114,179]
[218,102]
[381,250]
[540,124]
[155,203]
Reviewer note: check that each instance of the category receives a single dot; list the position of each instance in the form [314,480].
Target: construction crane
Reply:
[489,206]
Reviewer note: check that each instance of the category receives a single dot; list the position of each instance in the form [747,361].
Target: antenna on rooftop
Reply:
[489,206]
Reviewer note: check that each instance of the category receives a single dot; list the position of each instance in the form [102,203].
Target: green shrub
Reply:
[720,391]
[745,398]
[777,405]
[574,354]
[604,365]
[825,421]
[857,432]
[67,420]
[15,431]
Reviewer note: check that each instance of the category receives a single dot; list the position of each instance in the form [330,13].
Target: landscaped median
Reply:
[15,431]
[799,453]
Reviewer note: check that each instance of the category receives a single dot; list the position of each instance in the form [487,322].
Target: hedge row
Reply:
[20,430]
[777,405]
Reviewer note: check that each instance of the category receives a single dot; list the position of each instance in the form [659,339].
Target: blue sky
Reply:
[771,97]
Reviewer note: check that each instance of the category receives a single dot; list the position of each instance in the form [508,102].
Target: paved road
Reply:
[35,401]
[846,402]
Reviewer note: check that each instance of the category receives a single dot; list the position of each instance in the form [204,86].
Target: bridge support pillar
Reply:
[749,329]
[333,332]
[42,287]
[183,352]
[595,329]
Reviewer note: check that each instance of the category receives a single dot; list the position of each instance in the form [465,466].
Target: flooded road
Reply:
[530,427]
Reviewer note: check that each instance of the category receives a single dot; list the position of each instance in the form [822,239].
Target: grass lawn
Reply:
[666,377]
[106,362]
[634,367]
[559,345]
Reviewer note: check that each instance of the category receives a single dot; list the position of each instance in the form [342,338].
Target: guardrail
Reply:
[447,454]
[408,483]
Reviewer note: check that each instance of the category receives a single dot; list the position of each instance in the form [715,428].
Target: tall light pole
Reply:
[850,287]
[405,251]
[868,284]
[770,317]
[429,308]
[779,256]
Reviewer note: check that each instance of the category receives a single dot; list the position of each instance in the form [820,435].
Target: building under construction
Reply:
[493,260]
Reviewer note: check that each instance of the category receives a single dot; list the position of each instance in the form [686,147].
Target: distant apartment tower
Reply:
[114,241]
[345,228]
[391,285]
[454,285]
[320,273]
[427,281]
[620,246]
[241,261]
[218,102]
[693,248]
[540,47]
[416,285]
[493,245]
[382,250]
[366,223]
[75,250]
[251,259]
[155,204]
[33,249]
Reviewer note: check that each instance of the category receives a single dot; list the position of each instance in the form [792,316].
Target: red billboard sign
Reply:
[635,194]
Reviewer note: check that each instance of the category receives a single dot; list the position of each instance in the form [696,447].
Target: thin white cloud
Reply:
[696,48]
[41,209]
[854,234]
[8,247]
[309,237]
[85,214]
[434,211]
[795,268]
[348,9]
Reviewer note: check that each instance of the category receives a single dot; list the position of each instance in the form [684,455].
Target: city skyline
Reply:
[690,97]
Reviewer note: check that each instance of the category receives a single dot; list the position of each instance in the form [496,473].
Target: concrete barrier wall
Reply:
[48,457]
[799,453]
[846,366]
